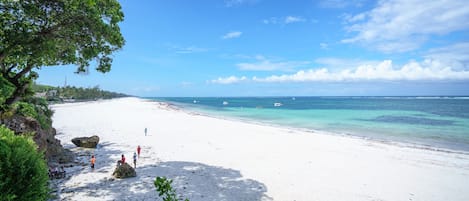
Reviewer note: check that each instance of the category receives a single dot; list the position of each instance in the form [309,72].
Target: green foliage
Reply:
[41,88]
[36,108]
[80,93]
[56,94]
[23,170]
[6,90]
[26,109]
[35,34]
[164,188]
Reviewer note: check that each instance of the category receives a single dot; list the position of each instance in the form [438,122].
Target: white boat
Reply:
[194,101]
[277,104]
[225,102]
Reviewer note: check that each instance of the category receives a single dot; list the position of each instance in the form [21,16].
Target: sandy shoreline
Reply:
[220,159]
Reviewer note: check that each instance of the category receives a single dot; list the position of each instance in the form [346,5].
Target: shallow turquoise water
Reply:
[436,122]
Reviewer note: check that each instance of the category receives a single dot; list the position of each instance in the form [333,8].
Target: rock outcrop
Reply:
[44,138]
[87,142]
[124,171]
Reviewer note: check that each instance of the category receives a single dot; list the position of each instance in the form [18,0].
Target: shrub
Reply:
[36,108]
[164,188]
[23,170]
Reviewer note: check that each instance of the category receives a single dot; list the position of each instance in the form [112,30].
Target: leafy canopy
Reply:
[38,33]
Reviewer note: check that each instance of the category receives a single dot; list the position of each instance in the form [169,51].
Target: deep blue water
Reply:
[434,122]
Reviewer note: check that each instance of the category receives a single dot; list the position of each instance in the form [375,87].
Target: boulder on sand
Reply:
[124,171]
[87,142]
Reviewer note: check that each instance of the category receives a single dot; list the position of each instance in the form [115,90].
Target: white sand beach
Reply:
[225,160]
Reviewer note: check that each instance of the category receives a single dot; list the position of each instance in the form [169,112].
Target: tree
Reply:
[23,170]
[39,33]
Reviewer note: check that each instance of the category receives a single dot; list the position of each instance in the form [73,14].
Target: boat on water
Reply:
[277,104]
[194,101]
[225,102]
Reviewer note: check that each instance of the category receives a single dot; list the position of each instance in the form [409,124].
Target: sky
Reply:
[285,48]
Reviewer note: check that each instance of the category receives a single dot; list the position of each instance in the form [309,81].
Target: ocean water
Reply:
[427,122]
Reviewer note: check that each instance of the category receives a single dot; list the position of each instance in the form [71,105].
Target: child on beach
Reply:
[93,160]
[145,131]
[135,160]
[138,151]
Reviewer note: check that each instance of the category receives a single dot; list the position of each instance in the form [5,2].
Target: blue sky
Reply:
[286,48]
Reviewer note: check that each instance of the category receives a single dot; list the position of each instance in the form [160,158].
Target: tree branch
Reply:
[28,68]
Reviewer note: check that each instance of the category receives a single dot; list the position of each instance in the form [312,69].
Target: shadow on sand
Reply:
[195,181]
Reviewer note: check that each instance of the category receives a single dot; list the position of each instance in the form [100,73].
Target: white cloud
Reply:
[181,49]
[340,63]
[186,84]
[234,3]
[456,55]
[426,70]
[292,19]
[404,25]
[341,3]
[284,20]
[228,80]
[190,49]
[413,71]
[264,64]
[233,34]
[324,46]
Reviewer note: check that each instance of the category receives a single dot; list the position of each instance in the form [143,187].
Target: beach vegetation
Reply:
[36,108]
[23,170]
[80,93]
[37,34]
[72,93]
[165,190]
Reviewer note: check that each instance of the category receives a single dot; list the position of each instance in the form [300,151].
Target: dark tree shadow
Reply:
[192,180]
[197,181]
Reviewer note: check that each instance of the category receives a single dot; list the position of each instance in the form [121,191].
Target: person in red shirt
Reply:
[138,150]
[123,159]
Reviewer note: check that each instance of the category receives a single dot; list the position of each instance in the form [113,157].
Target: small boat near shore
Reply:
[225,102]
[277,104]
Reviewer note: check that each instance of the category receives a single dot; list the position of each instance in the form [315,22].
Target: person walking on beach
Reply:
[145,131]
[135,160]
[93,160]
[138,151]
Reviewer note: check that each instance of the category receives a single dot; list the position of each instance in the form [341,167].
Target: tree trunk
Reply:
[17,94]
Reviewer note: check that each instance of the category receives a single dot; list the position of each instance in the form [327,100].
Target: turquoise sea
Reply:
[427,122]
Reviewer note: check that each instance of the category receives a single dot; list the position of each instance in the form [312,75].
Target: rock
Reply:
[43,137]
[124,171]
[87,142]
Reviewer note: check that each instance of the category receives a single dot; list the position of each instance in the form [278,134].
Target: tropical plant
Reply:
[23,170]
[165,190]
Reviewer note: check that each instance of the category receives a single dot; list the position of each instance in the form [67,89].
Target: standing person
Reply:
[138,151]
[123,159]
[145,131]
[93,160]
[135,160]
